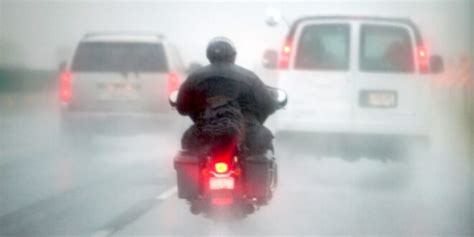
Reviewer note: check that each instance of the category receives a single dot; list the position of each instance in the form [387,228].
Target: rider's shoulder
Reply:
[200,72]
[246,72]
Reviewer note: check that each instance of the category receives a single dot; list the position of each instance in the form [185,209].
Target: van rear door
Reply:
[319,77]
[389,91]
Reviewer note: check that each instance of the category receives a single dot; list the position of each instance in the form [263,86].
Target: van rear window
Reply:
[119,57]
[386,49]
[324,47]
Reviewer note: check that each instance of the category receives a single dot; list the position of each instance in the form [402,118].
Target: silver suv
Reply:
[118,80]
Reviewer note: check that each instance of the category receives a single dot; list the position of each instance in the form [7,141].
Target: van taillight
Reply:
[423,59]
[284,61]
[65,86]
[173,82]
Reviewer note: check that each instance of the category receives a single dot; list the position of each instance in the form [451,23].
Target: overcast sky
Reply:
[39,33]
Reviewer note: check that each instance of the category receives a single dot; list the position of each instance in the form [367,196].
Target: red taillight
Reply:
[423,59]
[65,86]
[284,61]
[221,167]
[205,172]
[224,201]
[237,171]
[173,82]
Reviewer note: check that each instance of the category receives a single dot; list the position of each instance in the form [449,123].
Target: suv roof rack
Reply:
[159,36]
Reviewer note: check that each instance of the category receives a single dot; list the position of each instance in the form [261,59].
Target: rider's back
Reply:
[230,80]
[225,100]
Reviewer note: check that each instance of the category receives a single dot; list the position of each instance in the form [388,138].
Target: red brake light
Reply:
[423,59]
[221,167]
[65,86]
[173,82]
[224,201]
[237,171]
[422,53]
[285,55]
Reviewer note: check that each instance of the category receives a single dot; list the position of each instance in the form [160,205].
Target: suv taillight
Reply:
[173,82]
[284,61]
[65,86]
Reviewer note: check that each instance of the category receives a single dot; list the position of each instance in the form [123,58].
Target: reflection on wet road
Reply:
[124,185]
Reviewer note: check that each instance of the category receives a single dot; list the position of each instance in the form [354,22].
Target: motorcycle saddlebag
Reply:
[259,172]
[187,172]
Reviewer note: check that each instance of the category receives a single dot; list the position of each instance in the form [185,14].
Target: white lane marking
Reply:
[102,233]
[170,192]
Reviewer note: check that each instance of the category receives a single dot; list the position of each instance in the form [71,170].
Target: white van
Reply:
[117,77]
[355,76]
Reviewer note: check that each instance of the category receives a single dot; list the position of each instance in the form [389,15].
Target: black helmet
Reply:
[221,49]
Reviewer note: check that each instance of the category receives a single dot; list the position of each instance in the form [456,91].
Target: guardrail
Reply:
[23,91]
[26,80]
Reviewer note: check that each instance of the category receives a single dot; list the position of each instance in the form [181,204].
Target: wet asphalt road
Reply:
[125,186]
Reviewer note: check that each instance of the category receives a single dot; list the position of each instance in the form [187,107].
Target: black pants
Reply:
[256,141]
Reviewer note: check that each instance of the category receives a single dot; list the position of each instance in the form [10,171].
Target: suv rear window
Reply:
[385,49]
[324,46]
[119,57]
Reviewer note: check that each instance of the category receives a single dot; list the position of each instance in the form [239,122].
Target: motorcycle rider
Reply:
[224,101]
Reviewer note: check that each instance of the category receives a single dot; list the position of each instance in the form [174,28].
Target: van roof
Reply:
[405,21]
[123,37]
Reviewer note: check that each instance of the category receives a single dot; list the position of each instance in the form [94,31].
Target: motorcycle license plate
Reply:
[221,183]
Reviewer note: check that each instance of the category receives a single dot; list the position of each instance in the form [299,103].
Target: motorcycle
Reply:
[223,184]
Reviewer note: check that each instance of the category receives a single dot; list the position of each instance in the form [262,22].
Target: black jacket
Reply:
[228,80]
